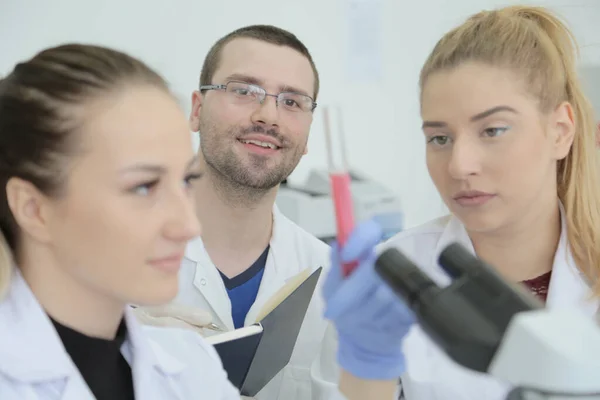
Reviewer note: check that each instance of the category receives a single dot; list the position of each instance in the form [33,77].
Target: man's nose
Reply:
[267,113]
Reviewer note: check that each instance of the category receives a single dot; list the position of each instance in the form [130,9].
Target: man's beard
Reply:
[253,175]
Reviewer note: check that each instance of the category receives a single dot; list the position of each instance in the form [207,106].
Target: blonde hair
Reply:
[539,47]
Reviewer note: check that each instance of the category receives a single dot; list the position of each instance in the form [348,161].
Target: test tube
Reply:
[340,180]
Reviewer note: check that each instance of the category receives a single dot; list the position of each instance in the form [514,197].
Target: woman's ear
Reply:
[28,207]
[563,125]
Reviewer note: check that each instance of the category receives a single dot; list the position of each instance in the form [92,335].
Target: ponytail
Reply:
[578,183]
[578,175]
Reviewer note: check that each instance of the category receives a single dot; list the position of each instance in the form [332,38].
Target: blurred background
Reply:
[368,53]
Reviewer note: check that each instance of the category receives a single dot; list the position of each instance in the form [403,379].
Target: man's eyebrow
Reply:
[288,88]
[243,78]
[255,81]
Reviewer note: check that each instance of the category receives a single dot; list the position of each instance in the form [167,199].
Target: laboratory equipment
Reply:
[310,204]
[339,177]
[330,201]
[488,325]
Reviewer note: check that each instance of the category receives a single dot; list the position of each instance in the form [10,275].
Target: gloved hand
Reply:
[174,315]
[370,319]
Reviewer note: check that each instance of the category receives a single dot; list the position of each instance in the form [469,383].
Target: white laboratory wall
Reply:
[381,119]
[590,75]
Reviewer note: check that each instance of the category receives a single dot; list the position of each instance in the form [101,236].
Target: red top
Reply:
[539,285]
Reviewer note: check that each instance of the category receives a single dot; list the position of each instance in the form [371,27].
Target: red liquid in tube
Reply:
[344,211]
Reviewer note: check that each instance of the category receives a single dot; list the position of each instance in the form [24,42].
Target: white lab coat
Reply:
[431,375]
[35,366]
[292,249]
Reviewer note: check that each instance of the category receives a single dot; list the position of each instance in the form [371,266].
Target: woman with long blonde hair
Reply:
[511,150]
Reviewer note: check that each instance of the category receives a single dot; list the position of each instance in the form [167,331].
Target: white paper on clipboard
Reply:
[365,40]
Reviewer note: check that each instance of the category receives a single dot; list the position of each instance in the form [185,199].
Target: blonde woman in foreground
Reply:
[511,149]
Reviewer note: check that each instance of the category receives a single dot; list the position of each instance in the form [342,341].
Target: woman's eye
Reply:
[495,131]
[439,140]
[190,178]
[144,189]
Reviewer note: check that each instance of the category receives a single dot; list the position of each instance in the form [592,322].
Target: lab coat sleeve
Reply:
[325,372]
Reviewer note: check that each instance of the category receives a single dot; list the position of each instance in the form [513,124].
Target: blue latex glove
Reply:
[370,319]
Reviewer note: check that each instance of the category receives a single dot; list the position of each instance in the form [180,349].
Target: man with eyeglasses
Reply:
[253,111]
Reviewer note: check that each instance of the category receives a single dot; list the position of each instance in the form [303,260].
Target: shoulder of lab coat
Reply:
[430,374]
[35,365]
[294,242]
[292,249]
[291,246]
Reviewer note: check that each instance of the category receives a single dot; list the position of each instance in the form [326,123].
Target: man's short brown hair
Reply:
[265,33]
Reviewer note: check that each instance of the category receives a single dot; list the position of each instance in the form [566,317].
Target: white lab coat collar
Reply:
[207,280]
[568,287]
[195,250]
[27,334]
[139,351]
[273,278]
[32,351]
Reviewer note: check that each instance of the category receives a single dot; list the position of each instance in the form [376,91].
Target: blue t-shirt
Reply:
[242,289]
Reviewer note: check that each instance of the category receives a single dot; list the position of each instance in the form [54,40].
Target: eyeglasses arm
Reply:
[212,87]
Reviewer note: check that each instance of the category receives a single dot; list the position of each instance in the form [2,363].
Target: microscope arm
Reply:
[551,351]
[488,325]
